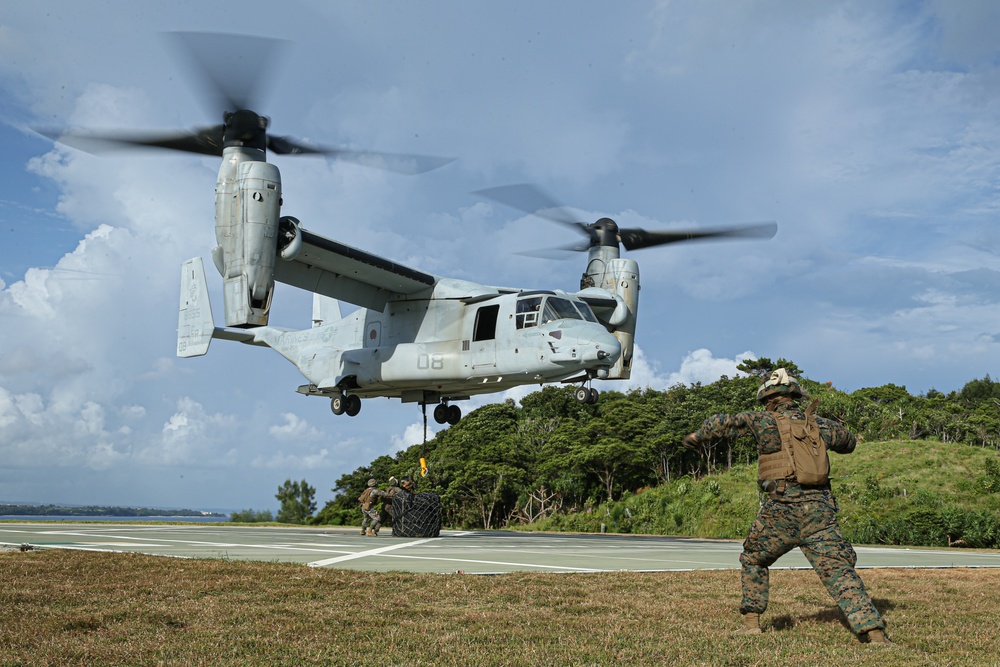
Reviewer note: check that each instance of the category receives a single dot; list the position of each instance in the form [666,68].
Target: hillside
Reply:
[930,475]
[901,492]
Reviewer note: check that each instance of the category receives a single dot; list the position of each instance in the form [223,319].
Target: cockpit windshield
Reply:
[535,310]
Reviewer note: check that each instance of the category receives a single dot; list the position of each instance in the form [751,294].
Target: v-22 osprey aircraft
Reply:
[416,336]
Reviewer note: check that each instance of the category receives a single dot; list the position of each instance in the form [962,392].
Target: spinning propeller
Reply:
[231,69]
[606,232]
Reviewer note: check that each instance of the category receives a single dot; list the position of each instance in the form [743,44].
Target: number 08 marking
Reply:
[430,361]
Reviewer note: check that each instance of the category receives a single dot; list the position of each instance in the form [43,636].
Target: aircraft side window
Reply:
[527,312]
[486,323]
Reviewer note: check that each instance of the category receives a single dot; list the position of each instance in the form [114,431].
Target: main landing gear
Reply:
[348,403]
[447,413]
[586,395]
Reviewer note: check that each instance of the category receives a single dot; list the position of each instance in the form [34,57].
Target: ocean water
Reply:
[33,518]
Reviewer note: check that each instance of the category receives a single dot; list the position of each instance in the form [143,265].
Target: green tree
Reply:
[763,366]
[297,501]
[979,391]
[251,516]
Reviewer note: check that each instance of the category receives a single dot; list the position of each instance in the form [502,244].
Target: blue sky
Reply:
[868,131]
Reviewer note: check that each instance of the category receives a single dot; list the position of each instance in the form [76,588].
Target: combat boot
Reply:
[363,532]
[371,533]
[751,625]
[877,636]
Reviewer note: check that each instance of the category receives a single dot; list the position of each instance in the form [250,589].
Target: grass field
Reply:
[83,608]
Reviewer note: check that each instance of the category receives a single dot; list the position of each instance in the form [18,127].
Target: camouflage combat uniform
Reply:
[369,511]
[390,493]
[801,516]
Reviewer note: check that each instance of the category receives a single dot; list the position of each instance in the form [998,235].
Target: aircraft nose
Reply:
[603,347]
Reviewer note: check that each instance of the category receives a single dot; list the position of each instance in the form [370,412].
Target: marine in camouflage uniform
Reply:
[390,492]
[795,515]
[370,513]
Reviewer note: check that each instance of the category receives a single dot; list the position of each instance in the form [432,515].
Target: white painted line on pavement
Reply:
[499,562]
[370,552]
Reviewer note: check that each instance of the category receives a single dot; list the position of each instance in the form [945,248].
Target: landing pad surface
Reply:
[471,552]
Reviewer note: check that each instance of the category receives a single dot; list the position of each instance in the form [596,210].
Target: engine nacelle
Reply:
[620,277]
[247,211]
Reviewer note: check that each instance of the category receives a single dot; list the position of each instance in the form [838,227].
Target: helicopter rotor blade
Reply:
[532,200]
[635,238]
[398,162]
[206,141]
[231,70]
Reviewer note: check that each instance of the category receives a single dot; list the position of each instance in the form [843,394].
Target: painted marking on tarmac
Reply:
[499,562]
[370,552]
[165,542]
[120,544]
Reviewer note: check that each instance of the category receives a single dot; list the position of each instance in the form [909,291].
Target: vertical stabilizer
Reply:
[325,310]
[195,323]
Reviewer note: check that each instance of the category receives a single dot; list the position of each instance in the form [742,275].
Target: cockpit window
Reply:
[536,310]
[558,309]
[585,310]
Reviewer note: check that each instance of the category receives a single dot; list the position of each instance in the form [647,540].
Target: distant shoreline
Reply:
[102,511]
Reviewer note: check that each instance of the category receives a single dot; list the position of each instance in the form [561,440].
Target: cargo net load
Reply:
[416,515]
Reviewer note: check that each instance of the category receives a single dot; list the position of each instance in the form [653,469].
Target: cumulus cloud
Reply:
[413,434]
[701,366]
[192,436]
[294,462]
[294,429]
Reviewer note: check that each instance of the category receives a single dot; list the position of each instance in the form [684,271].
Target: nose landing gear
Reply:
[586,395]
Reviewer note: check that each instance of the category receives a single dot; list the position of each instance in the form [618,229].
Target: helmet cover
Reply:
[779,383]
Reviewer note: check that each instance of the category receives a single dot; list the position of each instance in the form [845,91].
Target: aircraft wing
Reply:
[338,271]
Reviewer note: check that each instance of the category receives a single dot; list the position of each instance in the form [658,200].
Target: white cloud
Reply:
[413,434]
[192,436]
[701,366]
[294,429]
[294,462]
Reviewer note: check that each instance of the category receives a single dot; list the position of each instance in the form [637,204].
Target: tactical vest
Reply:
[366,499]
[802,457]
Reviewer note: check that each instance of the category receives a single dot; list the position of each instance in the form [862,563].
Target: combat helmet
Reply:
[393,481]
[372,483]
[779,383]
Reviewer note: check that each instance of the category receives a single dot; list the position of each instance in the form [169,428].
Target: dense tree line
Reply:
[505,464]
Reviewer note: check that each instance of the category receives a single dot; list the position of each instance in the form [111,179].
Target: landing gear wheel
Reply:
[338,404]
[454,414]
[594,395]
[353,405]
[441,413]
[582,395]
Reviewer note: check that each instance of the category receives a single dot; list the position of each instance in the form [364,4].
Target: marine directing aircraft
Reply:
[416,336]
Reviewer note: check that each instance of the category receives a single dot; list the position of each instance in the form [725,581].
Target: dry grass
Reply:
[80,608]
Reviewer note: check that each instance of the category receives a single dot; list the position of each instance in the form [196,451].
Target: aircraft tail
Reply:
[325,310]
[195,323]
